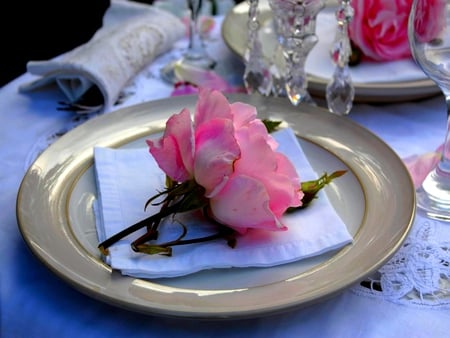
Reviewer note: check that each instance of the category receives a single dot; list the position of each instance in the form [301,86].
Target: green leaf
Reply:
[311,188]
[271,125]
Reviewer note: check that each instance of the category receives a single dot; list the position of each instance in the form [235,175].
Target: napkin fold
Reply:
[127,178]
[92,75]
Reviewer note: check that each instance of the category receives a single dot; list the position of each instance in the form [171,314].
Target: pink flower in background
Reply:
[219,149]
[430,19]
[206,24]
[192,78]
[419,166]
[184,88]
[380,28]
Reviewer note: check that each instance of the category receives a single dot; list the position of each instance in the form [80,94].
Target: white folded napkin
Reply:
[127,178]
[319,63]
[132,35]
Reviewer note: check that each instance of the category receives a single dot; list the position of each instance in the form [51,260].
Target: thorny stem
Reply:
[189,202]
[156,218]
[165,248]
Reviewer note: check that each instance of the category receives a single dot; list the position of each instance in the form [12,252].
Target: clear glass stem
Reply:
[196,50]
[444,163]
[196,54]
[433,197]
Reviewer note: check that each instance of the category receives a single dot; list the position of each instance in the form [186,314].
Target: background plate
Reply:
[235,23]
[375,199]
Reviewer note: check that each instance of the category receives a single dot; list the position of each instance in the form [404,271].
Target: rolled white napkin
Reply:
[127,178]
[132,35]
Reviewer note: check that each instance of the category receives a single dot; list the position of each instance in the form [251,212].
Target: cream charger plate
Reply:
[375,199]
[389,89]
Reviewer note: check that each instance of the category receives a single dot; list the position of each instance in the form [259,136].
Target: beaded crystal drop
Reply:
[340,91]
[257,77]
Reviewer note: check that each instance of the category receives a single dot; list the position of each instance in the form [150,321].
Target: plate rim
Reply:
[84,155]
[376,92]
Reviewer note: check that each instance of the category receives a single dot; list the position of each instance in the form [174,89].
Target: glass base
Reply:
[433,198]
[168,71]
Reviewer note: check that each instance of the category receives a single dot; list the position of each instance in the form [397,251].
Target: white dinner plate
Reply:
[375,199]
[392,83]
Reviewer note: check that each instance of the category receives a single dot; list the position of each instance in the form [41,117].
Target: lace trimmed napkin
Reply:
[132,35]
[127,178]
[319,63]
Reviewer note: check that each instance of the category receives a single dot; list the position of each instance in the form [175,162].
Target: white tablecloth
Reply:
[36,303]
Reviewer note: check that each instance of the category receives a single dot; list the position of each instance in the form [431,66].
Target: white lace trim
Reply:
[419,273]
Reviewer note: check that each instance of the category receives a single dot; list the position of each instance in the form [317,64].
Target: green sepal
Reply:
[271,125]
[311,188]
[193,199]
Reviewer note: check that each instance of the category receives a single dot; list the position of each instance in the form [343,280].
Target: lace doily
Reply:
[419,273]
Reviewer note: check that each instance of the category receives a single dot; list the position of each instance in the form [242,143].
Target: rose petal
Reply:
[216,151]
[232,206]
[174,151]
[274,170]
[200,77]
[211,104]
[379,28]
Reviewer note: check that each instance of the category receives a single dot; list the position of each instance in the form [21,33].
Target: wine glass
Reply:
[429,39]
[196,54]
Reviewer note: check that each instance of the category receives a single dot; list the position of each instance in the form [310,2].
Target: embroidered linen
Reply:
[132,35]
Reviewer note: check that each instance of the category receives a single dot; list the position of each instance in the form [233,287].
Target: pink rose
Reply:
[380,28]
[229,152]
[192,78]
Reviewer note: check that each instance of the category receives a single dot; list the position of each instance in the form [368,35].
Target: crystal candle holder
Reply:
[295,28]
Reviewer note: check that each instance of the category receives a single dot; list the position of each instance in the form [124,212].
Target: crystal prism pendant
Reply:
[257,76]
[340,91]
[296,80]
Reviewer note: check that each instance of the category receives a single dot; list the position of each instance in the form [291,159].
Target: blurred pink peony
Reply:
[380,29]
[430,19]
